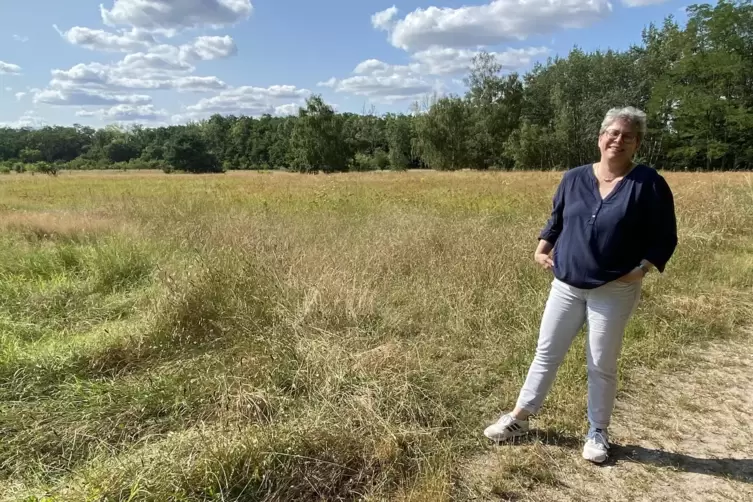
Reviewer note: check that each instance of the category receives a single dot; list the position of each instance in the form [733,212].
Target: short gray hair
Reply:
[635,117]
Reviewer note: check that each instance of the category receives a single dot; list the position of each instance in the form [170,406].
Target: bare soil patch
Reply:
[683,436]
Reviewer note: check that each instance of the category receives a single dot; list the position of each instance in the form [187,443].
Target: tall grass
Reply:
[291,337]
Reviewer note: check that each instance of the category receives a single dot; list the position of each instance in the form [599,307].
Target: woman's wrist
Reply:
[646,266]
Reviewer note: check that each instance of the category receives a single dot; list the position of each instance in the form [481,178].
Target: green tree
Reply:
[216,131]
[317,142]
[120,150]
[399,135]
[30,156]
[280,152]
[496,104]
[188,151]
[443,134]
[704,95]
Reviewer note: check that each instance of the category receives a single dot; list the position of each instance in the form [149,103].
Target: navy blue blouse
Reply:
[599,240]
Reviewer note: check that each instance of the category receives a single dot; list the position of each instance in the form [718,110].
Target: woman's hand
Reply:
[541,255]
[544,260]
[635,275]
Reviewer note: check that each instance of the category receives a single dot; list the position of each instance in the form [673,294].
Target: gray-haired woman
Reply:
[611,223]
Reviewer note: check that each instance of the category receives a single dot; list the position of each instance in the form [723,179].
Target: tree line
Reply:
[694,82]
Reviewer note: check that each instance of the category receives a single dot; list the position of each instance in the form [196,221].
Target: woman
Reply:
[612,223]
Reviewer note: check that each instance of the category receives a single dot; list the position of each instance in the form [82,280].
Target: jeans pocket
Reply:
[626,284]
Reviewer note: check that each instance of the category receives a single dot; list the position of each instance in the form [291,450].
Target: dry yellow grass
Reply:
[51,225]
[278,336]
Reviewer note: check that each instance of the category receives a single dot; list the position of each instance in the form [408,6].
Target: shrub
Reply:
[362,162]
[84,164]
[141,164]
[381,159]
[162,166]
[46,168]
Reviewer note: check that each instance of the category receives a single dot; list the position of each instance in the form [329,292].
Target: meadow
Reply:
[274,336]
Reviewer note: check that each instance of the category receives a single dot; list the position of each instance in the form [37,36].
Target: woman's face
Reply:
[619,141]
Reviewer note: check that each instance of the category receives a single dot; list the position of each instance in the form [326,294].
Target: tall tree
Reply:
[443,134]
[496,106]
[189,151]
[400,138]
[317,142]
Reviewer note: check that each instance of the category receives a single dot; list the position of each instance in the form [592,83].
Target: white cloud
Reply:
[380,68]
[383,82]
[289,109]
[385,19]
[449,61]
[182,84]
[164,68]
[87,97]
[19,38]
[209,48]
[199,84]
[149,64]
[9,89]
[201,49]
[28,119]
[170,16]
[182,118]
[332,82]
[126,113]
[20,96]
[493,23]
[9,69]
[82,75]
[248,100]
[643,3]
[140,71]
[100,40]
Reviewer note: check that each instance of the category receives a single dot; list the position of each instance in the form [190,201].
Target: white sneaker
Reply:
[506,427]
[596,448]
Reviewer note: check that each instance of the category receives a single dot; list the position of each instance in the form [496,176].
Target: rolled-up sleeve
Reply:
[553,227]
[662,225]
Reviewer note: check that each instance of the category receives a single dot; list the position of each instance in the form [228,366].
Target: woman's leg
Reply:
[564,315]
[609,310]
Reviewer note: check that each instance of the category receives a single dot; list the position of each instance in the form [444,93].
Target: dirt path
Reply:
[685,436]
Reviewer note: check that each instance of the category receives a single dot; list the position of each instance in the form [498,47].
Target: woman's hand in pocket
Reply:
[635,275]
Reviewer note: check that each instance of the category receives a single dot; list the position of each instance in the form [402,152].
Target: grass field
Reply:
[276,336]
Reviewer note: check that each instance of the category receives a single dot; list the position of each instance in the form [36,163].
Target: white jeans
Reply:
[607,310]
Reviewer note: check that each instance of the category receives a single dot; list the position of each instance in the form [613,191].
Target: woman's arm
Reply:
[662,228]
[541,255]
[553,227]
[552,230]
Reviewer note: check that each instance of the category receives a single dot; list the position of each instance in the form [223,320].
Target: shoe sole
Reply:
[498,439]
[596,460]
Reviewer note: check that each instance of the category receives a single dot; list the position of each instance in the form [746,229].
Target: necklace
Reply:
[609,180]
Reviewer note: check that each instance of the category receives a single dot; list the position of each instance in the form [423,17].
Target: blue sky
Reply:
[169,61]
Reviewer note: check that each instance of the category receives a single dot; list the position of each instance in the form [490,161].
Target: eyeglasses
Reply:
[626,137]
